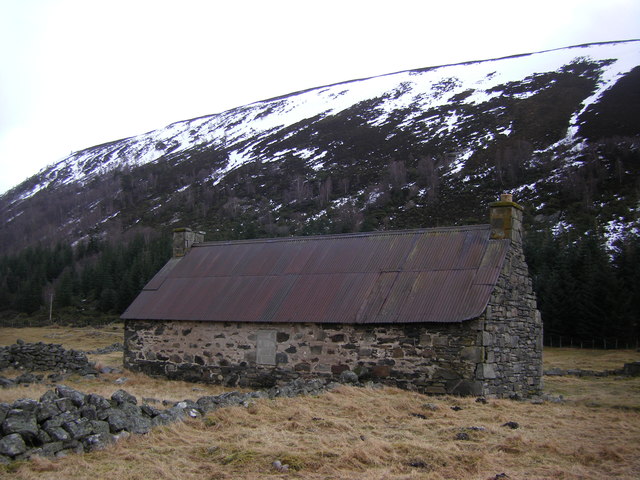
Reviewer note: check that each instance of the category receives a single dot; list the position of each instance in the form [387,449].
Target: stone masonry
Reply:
[44,357]
[434,359]
[512,334]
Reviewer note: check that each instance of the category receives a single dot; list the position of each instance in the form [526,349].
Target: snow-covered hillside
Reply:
[239,130]
[466,113]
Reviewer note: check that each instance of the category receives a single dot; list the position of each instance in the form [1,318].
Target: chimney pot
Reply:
[505,217]
[183,240]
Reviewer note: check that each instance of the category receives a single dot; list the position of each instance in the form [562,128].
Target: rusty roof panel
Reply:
[429,275]
[376,296]
[161,276]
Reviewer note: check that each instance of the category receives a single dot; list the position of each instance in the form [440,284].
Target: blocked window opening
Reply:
[266,347]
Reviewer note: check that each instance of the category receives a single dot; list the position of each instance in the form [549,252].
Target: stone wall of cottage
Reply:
[438,358]
[512,334]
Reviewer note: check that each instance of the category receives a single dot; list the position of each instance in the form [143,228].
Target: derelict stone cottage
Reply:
[439,310]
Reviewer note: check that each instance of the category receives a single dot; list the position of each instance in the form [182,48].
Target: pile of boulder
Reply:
[629,370]
[45,357]
[65,420]
[115,347]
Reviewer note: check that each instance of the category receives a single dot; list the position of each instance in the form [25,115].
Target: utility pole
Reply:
[50,306]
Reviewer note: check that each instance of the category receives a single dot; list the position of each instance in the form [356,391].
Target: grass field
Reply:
[365,433]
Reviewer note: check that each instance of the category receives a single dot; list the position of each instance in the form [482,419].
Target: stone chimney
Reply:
[183,239]
[505,217]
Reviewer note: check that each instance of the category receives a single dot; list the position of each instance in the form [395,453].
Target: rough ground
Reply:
[355,433]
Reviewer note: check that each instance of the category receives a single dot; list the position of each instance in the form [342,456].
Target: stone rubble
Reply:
[66,420]
[629,369]
[116,347]
[45,357]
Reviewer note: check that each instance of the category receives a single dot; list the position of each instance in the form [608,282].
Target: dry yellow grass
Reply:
[587,359]
[78,338]
[355,433]
[137,384]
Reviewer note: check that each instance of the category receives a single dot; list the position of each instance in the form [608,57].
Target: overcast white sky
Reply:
[77,73]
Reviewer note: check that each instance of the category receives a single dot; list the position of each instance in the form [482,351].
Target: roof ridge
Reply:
[376,233]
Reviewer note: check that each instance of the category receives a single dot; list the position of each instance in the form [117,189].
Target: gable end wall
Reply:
[512,333]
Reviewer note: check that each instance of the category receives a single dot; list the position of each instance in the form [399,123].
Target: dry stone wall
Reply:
[438,358]
[44,357]
[66,421]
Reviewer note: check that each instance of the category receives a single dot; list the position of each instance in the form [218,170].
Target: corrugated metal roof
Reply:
[428,275]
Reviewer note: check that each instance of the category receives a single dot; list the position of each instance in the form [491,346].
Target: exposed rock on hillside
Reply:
[425,147]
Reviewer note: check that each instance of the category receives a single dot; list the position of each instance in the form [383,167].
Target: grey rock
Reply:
[98,441]
[258,394]
[130,419]
[58,420]
[191,405]
[51,448]
[121,396]
[78,428]
[117,420]
[632,369]
[130,409]
[58,434]
[6,382]
[4,409]
[46,410]
[49,396]
[73,446]
[67,392]
[121,436]
[26,404]
[208,403]
[21,422]
[116,347]
[42,437]
[99,426]
[28,378]
[349,377]
[149,411]
[97,401]
[89,412]
[56,377]
[168,416]
[139,424]
[278,465]
[65,404]
[12,445]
